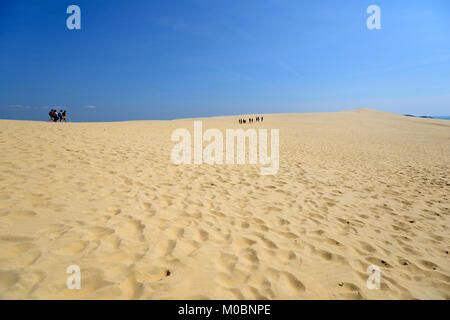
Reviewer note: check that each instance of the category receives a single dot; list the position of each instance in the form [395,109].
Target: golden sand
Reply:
[353,189]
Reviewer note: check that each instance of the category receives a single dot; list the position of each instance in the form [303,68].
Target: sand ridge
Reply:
[354,188]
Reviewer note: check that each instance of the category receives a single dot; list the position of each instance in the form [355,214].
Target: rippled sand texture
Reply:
[354,189]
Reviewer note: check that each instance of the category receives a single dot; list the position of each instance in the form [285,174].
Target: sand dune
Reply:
[354,189]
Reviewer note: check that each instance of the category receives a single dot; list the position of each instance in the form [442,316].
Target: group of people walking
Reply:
[55,115]
[250,120]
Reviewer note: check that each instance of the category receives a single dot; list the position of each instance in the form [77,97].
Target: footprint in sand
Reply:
[233,279]
[73,247]
[165,247]
[243,242]
[227,262]
[8,249]
[350,291]
[7,279]
[292,284]
[249,255]
[201,235]
[428,265]
[367,247]
[23,213]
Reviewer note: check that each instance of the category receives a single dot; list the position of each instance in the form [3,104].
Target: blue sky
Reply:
[176,59]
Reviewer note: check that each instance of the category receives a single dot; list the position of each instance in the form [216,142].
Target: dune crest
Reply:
[353,189]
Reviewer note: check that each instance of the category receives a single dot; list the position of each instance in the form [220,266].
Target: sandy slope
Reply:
[354,188]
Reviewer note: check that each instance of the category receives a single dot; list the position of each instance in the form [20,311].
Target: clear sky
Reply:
[190,58]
